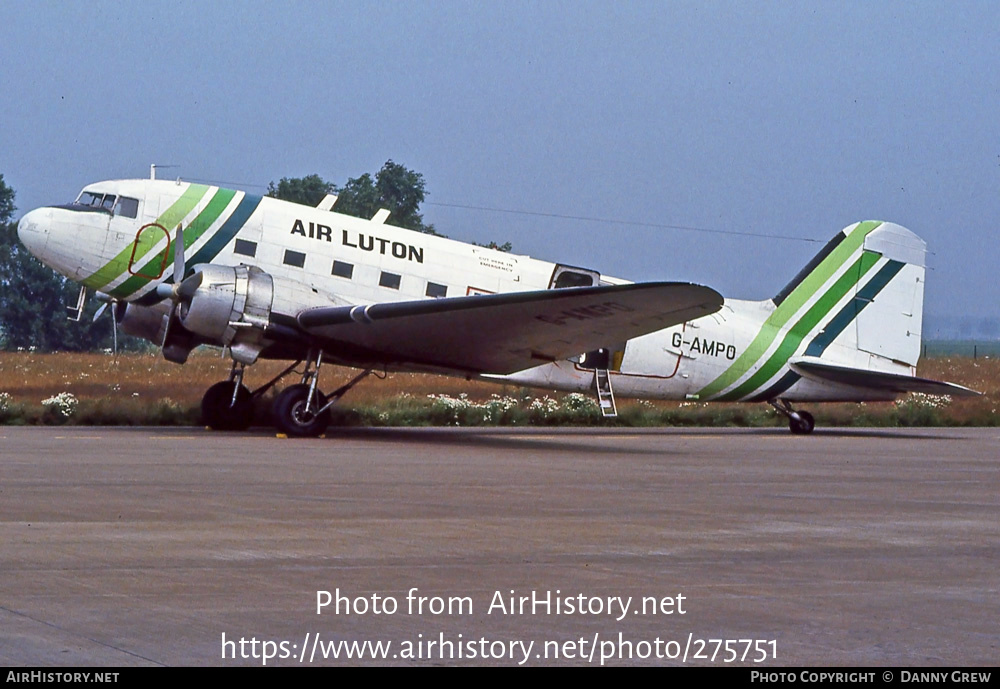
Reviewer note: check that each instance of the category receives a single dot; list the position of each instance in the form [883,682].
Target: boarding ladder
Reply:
[605,396]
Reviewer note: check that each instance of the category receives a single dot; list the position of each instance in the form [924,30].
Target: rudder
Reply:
[890,322]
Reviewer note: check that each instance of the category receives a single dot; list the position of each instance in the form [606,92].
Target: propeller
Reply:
[113,303]
[182,290]
[173,291]
[179,255]
[178,291]
[101,308]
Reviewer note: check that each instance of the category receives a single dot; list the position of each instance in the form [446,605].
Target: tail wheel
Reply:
[292,417]
[804,425]
[220,413]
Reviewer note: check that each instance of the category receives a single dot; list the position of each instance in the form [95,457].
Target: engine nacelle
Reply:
[230,307]
[139,321]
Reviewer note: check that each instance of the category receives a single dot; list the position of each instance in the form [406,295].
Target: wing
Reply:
[877,380]
[503,333]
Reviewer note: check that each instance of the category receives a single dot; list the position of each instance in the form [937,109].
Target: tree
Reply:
[33,298]
[506,247]
[395,187]
[7,206]
[358,198]
[305,190]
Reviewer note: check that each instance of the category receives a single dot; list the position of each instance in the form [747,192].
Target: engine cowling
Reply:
[229,306]
[139,321]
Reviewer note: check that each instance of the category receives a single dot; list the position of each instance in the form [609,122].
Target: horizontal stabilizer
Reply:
[504,333]
[876,380]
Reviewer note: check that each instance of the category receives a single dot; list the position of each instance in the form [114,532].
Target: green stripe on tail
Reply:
[794,336]
[789,307]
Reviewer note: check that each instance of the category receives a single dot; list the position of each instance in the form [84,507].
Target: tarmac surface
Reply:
[124,547]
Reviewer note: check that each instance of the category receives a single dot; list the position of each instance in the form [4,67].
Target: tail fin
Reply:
[891,304]
[857,304]
[876,332]
[867,292]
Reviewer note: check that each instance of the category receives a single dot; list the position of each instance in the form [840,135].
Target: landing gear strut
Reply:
[300,410]
[228,405]
[799,422]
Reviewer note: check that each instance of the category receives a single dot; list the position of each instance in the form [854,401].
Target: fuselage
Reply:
[715,358]
[119,239]
[339,257]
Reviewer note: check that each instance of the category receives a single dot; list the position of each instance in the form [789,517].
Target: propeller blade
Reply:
[179,255]
[114,327]
[166,326]
[179,290]
[107,300]
[187,288]
[115,304]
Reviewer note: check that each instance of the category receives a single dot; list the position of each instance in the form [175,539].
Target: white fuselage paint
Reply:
[389,264]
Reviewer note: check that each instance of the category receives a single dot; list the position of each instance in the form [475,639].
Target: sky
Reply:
[596,129]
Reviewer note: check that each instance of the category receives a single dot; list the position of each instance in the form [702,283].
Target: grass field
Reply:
[141,389]
[977,349]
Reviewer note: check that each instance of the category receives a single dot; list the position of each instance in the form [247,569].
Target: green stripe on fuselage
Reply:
[215,243]
[168,220]
[234,223]
[835,326]
[794,336]
[192,232]
[789,307]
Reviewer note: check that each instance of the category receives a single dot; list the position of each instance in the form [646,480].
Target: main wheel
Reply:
[805,424]
[291,417]
[218,411]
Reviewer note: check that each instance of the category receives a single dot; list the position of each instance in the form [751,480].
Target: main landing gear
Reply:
[227,406]
[799,422]
[299,410]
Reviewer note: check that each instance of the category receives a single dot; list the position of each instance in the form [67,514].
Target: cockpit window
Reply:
[89,198]
[127,207]
[110,203]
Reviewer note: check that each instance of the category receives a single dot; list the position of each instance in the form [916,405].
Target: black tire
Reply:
[290,416]
[217,412]
[805,424]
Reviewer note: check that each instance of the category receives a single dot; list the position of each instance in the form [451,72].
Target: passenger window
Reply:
[294,258]
[247,248]
[343,270]
[435,290]
[390,280]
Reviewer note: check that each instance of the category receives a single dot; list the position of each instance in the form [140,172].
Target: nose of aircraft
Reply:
[32,230]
